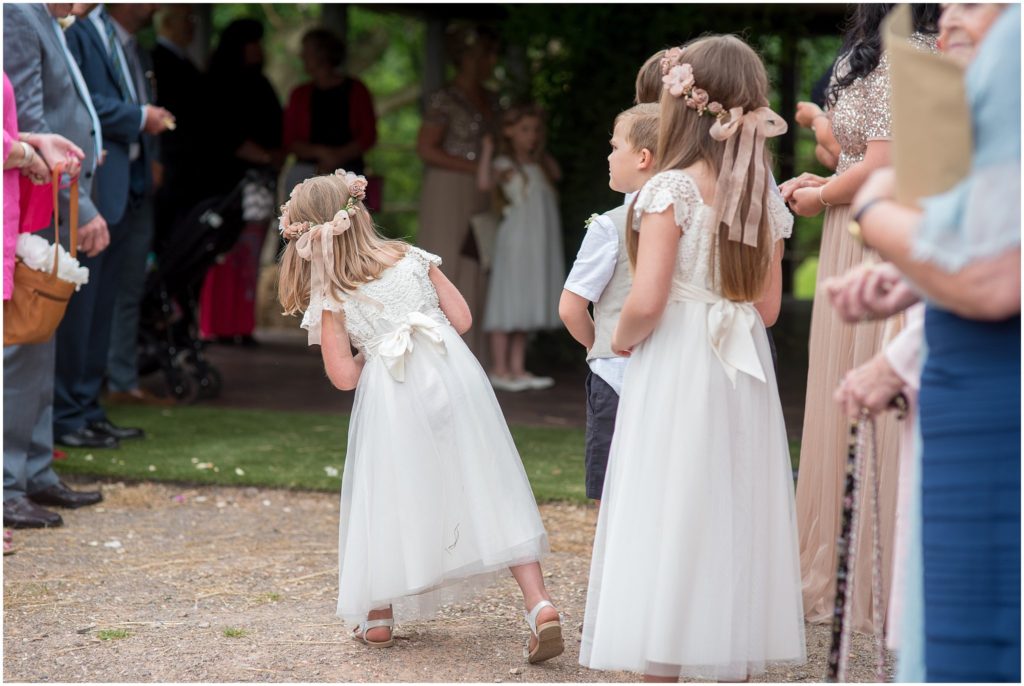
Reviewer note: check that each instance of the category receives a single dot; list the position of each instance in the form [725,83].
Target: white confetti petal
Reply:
[239,471]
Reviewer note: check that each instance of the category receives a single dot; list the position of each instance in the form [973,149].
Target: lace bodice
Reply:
[862,113]
[677,189]
[379,306]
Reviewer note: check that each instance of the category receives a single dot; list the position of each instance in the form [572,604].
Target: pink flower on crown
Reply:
[357,188]
[698,100]
[356,184]
[716,108]
[671,58]
[679,79]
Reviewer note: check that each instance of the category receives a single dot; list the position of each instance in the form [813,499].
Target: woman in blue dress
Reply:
[962,255]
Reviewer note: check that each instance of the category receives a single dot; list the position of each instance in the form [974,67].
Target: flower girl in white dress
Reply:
[695,569]
[434,497]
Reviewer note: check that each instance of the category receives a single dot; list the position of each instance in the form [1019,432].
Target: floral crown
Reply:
[341,221]
[753,126]
[678,79]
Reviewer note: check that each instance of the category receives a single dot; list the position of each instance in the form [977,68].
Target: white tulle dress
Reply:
[695,569]
[434,497]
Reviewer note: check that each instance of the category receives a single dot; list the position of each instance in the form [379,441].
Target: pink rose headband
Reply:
[314,243]
[340,223]
[754,127]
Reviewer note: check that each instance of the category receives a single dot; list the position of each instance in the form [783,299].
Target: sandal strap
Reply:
[375,623]
[531,616]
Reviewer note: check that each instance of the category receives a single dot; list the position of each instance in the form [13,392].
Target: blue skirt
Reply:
[970,480]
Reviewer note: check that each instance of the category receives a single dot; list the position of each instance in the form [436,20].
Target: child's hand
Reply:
[487,147]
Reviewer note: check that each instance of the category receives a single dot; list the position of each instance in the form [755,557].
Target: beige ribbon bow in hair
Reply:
[316,246]
[754,127]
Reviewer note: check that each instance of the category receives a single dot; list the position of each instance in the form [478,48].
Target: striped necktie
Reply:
[119,66]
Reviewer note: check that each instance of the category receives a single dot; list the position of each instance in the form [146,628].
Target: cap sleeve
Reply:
[427,258]
[668,189]
[502,163]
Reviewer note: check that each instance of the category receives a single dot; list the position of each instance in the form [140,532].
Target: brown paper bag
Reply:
[931,121]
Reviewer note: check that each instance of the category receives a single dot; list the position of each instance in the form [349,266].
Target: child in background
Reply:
[434,497]
[648,80]
[601,276]
[528,268]
[695,569]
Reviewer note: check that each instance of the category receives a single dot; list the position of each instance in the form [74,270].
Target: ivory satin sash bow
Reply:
[730,330]
[394,346]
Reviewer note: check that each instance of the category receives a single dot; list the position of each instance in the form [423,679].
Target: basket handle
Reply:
[55,175]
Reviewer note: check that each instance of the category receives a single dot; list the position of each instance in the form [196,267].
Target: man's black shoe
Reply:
[62,496]
[22,513]
[87,438]
[119,432]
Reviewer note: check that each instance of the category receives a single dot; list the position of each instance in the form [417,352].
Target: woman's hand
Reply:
[871,386]
[36,170]
[869,291]
[805,180]
[806,113]
[57,149]
[806,202]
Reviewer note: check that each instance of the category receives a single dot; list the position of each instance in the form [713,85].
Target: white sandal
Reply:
[359,633]
[549,635]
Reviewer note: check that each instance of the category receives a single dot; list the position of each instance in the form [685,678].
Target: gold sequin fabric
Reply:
[464,124]
[862,112]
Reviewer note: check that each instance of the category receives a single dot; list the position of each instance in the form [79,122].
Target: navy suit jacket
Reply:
[119,118]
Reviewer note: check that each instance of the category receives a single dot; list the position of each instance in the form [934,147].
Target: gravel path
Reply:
[161,583]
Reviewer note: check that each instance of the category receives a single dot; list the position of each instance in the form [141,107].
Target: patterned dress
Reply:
[860,116]
[450,198]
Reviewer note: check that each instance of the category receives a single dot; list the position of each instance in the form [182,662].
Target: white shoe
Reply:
[504,383]
[536,383]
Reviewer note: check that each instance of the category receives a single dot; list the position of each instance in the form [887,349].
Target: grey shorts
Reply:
[602,406]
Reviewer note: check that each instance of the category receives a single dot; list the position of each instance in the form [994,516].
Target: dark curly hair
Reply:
[862,40]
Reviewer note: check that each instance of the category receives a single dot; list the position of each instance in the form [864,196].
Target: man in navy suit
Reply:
[104,47]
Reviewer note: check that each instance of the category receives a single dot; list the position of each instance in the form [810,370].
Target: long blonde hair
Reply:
[360,254]
[733,75]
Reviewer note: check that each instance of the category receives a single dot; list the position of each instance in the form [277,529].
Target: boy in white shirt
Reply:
[601,276]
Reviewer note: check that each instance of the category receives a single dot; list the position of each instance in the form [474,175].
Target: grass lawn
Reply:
[202,445]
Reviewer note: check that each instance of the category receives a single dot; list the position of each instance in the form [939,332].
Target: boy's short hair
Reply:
[642,131]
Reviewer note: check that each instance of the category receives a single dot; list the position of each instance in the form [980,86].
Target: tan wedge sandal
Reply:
[359,633]
[548,635]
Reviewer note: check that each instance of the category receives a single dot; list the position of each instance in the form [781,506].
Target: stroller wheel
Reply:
[183,387]
[209,384]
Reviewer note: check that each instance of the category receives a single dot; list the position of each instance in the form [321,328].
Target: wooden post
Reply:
[202,41]
[788,85]
[334,16]
[434,60]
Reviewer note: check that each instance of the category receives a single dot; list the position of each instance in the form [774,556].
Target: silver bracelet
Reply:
[29,155]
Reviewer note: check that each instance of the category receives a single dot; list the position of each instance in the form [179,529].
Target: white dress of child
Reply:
[434,498]
[529,268]
[695,570]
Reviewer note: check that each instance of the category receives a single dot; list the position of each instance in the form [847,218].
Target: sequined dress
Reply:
[435,502]
[449,198]
[860,115]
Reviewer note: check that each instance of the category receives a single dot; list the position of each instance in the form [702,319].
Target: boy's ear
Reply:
[646,160]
